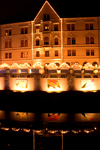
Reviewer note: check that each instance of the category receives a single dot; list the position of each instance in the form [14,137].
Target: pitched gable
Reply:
[46,9]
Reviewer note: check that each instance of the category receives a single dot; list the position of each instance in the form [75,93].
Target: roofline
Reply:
[42,8]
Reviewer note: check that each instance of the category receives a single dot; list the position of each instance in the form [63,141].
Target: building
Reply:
[51,39]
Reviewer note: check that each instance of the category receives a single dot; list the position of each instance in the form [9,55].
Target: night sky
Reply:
[26,10]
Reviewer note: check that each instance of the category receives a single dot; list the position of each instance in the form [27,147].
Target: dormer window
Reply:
[46,17]
[46,27]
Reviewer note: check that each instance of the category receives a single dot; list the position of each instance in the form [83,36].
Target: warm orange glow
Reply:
[61,40]
[37,65]
[32,40]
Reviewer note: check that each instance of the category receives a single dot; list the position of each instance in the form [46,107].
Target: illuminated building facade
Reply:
[51,39]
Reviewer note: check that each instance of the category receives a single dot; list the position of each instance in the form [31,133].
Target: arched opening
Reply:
[56,41]
[84,63]
[95,64]
[46,41]
[10,44]
[57,64]
[46,64]
[73,40]
[87,40]
[6,44]
[22,43]
[92,40]
[68,41]
[68,63]
[26,43]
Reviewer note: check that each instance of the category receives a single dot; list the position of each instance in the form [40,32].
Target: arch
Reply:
[37,42]
[95,64]
[56,41]
[10,44]
[68,40]
[92,40]
[46,64]
[57,64]
[68,64]
[6,44]
[46,40]
[26,43]
[22,43]
[87,40]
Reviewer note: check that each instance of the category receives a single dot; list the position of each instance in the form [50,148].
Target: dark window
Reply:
[46,53]
[91,26]
[10,32]
[48,17]
[73,40]
[37,42]
[6,55]
[56,52]
[22,30]
[56,41]
[87,26]
[92,52]
[87,52]
[87,40]
[26,43]
[26,30]
[10,44]
[68,27]
[92,39]
[44,17]
[37,53]
[73,52]
[22,43]
[68,41]
[73,27]
[22,55]
[69,52]
[10,55]
[55,27]
[46,41]
[6,44]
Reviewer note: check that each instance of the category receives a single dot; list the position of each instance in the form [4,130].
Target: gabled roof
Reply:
[46,2]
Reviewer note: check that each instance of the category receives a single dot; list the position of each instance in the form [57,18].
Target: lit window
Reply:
[46,27]
[24,54]
[37,29]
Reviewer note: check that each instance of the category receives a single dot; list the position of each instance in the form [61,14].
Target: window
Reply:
[46,53]
[87,40]
[56,52]
[10,55]
[73,40]
[87,52]
[8,32]
[10,44]
[56,27]
[92,52]
[37,29]
[37,42]
[46,27]
[73,52]
[24,54]
[46,17]
[24,43]
[69,52]
[73,27]
[24,30]
[37,53]
[46,41]
[68,41]
[89,26]
[70,27]
[6,44]
[92,40]
[56,41]
[6,55]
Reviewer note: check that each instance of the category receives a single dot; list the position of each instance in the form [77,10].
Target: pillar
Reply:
[33,140]
[37,86]
[7,80]
[62,141]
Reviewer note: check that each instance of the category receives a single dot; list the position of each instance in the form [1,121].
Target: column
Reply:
[33,140]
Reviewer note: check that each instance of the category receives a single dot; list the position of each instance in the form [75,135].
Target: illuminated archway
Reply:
[95,64]
[57,64]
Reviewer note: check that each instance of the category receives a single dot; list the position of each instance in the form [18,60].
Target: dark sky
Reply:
[25,10]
